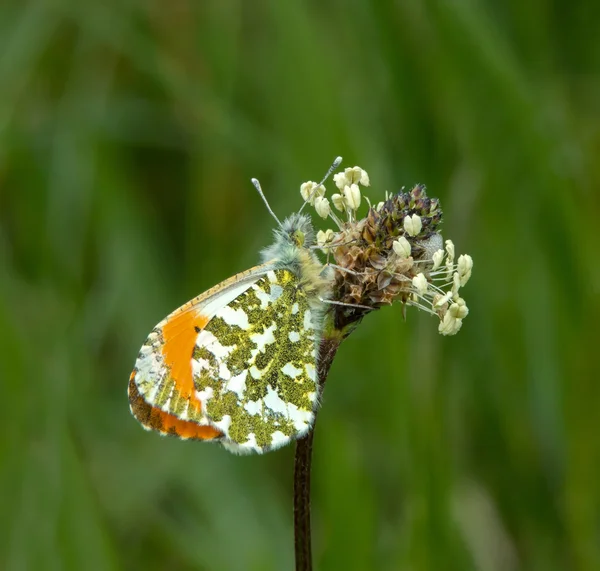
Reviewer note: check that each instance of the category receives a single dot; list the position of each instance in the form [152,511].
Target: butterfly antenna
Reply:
[262,195]
[336,163]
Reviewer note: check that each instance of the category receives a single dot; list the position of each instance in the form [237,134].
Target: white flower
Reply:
[401,247]
[352,196]
[350,176]
[455,284]
[450,251]
[340,180]
[419,282]
[449,258]
[449,325]
[356,175]
[309,191]
[464,267]
[338,202]
[412,224]
[444,299]
[438,258]
[324,238]
[379,206]
[322,206]
[459,309]
[441,300]
[364,178]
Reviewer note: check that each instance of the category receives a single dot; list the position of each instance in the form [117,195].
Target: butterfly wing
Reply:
[153,418]
[255,365]
[236,364]
[162,394]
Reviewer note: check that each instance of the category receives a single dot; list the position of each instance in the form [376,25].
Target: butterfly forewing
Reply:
[162,377]
[153,418]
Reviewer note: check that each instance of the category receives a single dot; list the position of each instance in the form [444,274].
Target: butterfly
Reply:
[237,365]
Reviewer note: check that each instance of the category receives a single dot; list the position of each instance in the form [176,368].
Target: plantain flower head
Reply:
[395,253]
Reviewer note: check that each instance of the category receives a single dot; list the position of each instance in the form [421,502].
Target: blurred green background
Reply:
[129,131]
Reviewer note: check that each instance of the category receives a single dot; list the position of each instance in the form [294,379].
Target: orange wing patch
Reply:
[161,388]
[179,339]
[153,418]
[162,391]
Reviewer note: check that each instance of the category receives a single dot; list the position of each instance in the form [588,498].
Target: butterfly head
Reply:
[296,230]
[292,249]
[294,236]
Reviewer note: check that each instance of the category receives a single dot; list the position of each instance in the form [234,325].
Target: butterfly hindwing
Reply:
[254,365]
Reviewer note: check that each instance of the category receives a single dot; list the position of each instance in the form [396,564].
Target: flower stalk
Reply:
[330,342]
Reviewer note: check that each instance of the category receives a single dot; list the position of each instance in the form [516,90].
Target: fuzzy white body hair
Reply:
[292,251]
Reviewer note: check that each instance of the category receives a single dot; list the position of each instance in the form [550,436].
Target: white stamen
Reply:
[438,258]
[401,247]
[459,309]
[464,267]
[420,283]
[412,224]
[442,300]
[338,202]
[449,325]
[310,191]
[340,180]
[455,284]
[322,206]
[352,196]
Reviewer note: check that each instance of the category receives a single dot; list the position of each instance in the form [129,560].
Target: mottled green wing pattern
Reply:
[254,365]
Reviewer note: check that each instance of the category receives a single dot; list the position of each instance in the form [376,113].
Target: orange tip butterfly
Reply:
[238,364]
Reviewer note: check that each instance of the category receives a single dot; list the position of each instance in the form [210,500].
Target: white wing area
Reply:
[218,302]
[214,302]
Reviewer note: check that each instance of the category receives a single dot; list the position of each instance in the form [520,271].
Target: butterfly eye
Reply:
[298,237]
